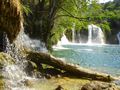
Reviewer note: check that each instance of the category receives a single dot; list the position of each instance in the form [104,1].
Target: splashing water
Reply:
[15,75]
[33,44]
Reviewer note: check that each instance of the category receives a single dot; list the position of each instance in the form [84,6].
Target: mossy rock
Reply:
[2,84]
[5,59]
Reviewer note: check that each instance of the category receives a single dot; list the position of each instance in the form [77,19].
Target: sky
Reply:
[103,1]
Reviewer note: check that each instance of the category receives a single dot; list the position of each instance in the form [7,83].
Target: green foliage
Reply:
[51,18]
[105,26]
[75,14]
[82,13]
[26,9]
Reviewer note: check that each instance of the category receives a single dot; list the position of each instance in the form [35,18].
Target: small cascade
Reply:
[95,35]
[63,40]
[118,37]
[33,44]
[14,74]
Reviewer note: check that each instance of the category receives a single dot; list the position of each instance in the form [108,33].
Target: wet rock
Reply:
[59,88]
[48,76]
[5,59]
[30,67]
[34,69]
[99,86]
[28,82]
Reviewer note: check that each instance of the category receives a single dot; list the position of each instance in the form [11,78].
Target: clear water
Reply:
[102,58]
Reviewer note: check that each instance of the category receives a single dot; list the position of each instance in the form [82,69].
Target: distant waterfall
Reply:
[118,37]
[90,28]
[95,35]
[79,40]
[73,33]
[63,40]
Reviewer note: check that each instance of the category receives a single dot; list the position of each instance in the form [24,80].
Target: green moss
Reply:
[5,59]
[2,84]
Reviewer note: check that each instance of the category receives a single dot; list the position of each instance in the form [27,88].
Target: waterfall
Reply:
[79,37]
[90,34]
[118,37]
[15,75]
[95,35]
[33,44]
[73,33]
[63,40]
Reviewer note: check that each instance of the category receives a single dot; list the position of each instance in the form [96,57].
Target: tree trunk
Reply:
[72,69]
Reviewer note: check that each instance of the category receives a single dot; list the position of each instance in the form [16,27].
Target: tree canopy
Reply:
[50,18]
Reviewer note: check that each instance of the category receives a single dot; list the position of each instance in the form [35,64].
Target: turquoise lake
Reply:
[102,58]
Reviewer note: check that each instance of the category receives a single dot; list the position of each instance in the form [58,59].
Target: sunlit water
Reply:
[102,58]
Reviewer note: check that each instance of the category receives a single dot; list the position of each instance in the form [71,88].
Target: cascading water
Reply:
[34,44]
[73,33]
[79,37]
[95,35]
[118,37]
[15,75]
[63,40]
[90,34]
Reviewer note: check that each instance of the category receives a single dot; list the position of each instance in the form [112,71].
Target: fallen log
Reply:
[75,70]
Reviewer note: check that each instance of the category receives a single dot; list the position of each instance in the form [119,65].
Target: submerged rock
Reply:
[99,86]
